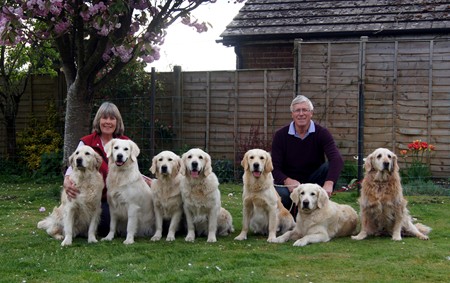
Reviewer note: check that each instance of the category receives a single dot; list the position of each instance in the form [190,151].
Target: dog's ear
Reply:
[244,162]
[71,159]
[368,162]
[322,198]
[208,165]
[98,161]
[108,148]
[177,166]
[269,166]
[295,195]
[395,167]
[153,167]
[135,151]
[183,167]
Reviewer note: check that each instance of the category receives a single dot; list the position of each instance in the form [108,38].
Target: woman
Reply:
[107,125]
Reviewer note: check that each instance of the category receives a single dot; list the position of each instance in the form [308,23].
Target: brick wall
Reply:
[260,56]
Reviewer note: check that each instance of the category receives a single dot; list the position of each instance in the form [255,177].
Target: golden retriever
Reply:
[263,211]
[382,205]
[129,196]
[201,198]
[79,216]
[167,199]
[318,218]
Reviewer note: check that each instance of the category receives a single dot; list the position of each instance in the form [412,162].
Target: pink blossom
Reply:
[62,27]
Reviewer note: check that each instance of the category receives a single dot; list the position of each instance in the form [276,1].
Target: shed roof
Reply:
[288,19]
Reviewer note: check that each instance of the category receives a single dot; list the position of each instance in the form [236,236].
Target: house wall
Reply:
[265,56]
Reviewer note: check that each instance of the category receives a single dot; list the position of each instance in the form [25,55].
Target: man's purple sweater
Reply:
[297,159]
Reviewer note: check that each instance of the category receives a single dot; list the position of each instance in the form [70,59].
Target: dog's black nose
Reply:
[79,162]
[194,165]
[256,166]
[164,169]
[386,165]
[119,157]
[305,204]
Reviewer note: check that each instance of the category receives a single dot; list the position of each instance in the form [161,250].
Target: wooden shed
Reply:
[264,31]
[376,70]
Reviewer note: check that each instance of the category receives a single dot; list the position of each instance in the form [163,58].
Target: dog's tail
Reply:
[423,228]
[48,221]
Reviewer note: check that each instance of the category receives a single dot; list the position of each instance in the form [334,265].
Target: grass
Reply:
[30,255]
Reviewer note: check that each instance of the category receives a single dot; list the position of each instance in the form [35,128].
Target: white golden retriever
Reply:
[129,196]
[201,198]
[263,211]
[382,205]
[79,216]
[319,219]
[167,199]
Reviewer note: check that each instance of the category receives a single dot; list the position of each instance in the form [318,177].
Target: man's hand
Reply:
[291,184]
[328,186]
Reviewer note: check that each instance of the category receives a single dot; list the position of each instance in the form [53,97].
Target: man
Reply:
[304,152]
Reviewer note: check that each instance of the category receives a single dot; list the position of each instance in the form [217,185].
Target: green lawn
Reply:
[30,255]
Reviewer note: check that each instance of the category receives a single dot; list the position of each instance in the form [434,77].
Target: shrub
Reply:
[349,175]
[39,138]
[224,170]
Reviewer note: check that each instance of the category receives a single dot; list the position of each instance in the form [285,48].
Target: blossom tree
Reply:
[95,40]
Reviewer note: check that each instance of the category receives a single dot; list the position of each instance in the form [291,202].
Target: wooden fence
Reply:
[404,85]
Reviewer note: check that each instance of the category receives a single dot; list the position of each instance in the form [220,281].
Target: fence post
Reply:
[152,112]
[297,65]
[177,110]
[362,73]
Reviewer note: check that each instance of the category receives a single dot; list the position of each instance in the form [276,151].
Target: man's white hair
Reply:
[300,99]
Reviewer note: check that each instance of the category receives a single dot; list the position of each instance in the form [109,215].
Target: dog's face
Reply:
[166,163]
[309,197]
[121,151]
[85,157]
[257,161]
[382,159]
[196,162]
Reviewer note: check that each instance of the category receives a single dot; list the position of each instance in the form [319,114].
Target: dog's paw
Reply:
[396,238]
[189,239]
[108,237]
[423,237]
[170,238]
[128,241]
[59,237]
[190,236]
[300,243]
[66,242]
[156,238]
[241,237]
[360,236]
[92,240]
[277,240]
[272,240]
[211,240]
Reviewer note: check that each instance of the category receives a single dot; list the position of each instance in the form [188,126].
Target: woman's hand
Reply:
[147,180]
[70,188]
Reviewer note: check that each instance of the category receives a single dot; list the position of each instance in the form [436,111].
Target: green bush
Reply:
[224,170]
[38,139]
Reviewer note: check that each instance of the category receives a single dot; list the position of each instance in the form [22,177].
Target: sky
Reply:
[194,51]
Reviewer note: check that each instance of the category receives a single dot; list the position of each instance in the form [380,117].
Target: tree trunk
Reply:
[11,142]
[77,120]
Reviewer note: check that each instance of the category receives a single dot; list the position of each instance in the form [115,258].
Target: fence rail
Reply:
[406,97]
